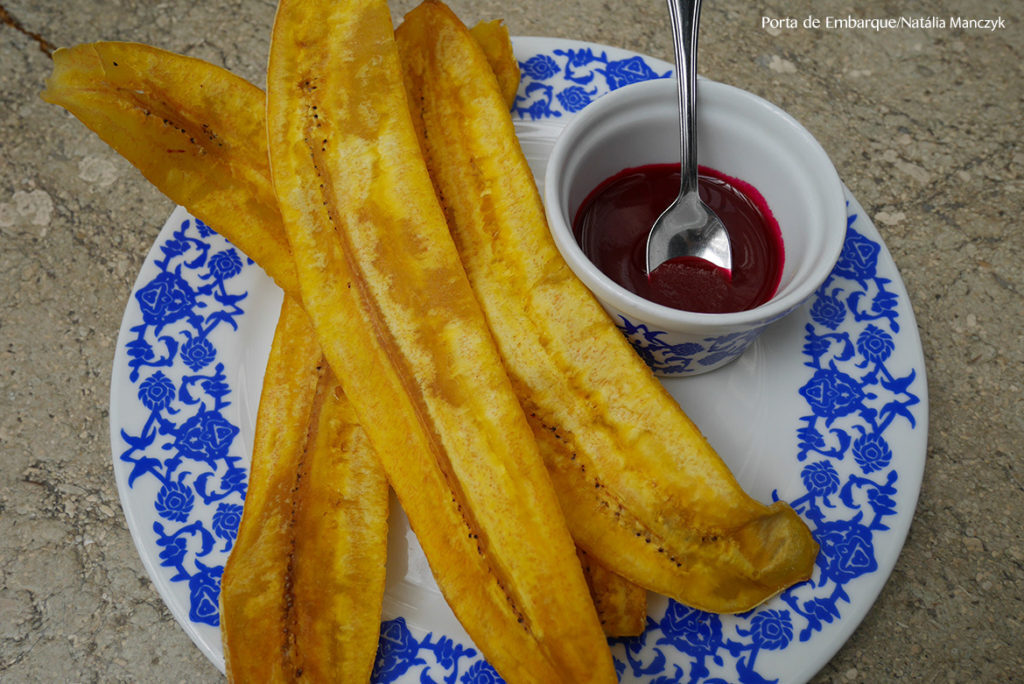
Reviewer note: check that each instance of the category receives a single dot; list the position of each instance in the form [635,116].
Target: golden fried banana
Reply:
[624,607]
[303,587]
[496,43]
[254,588]
[340,533]
[642,489]
[382,283]
[621,605]
[194,130]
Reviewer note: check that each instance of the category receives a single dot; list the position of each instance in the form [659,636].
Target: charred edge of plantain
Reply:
[317,143]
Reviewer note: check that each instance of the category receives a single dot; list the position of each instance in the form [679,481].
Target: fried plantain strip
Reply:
[496,43]
[391,305]
[255,585]
[494,40]
[621,605]
[194,130]
[642,489]
[303,587]
[340,537]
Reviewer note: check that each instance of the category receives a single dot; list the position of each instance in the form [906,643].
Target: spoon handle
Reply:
[685,18]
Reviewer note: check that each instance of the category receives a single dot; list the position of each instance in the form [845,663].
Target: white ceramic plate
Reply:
[828,410]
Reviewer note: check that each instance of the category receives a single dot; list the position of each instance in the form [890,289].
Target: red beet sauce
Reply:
[611,227]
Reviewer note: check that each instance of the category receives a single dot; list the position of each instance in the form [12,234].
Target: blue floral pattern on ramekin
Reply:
[667,358]
[184,447]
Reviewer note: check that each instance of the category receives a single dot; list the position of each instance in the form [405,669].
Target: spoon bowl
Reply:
[688,227]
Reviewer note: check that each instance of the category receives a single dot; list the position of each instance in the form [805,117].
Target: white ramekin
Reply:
[739,134]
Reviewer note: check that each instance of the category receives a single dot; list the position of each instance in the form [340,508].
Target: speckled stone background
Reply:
[922,124]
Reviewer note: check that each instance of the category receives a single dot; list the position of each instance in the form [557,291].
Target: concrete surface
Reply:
[923,125]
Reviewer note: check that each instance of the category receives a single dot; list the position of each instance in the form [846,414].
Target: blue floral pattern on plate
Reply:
[185,442]
[177,456]
[565,80]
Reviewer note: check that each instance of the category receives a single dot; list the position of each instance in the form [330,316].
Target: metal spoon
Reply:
[688,228]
